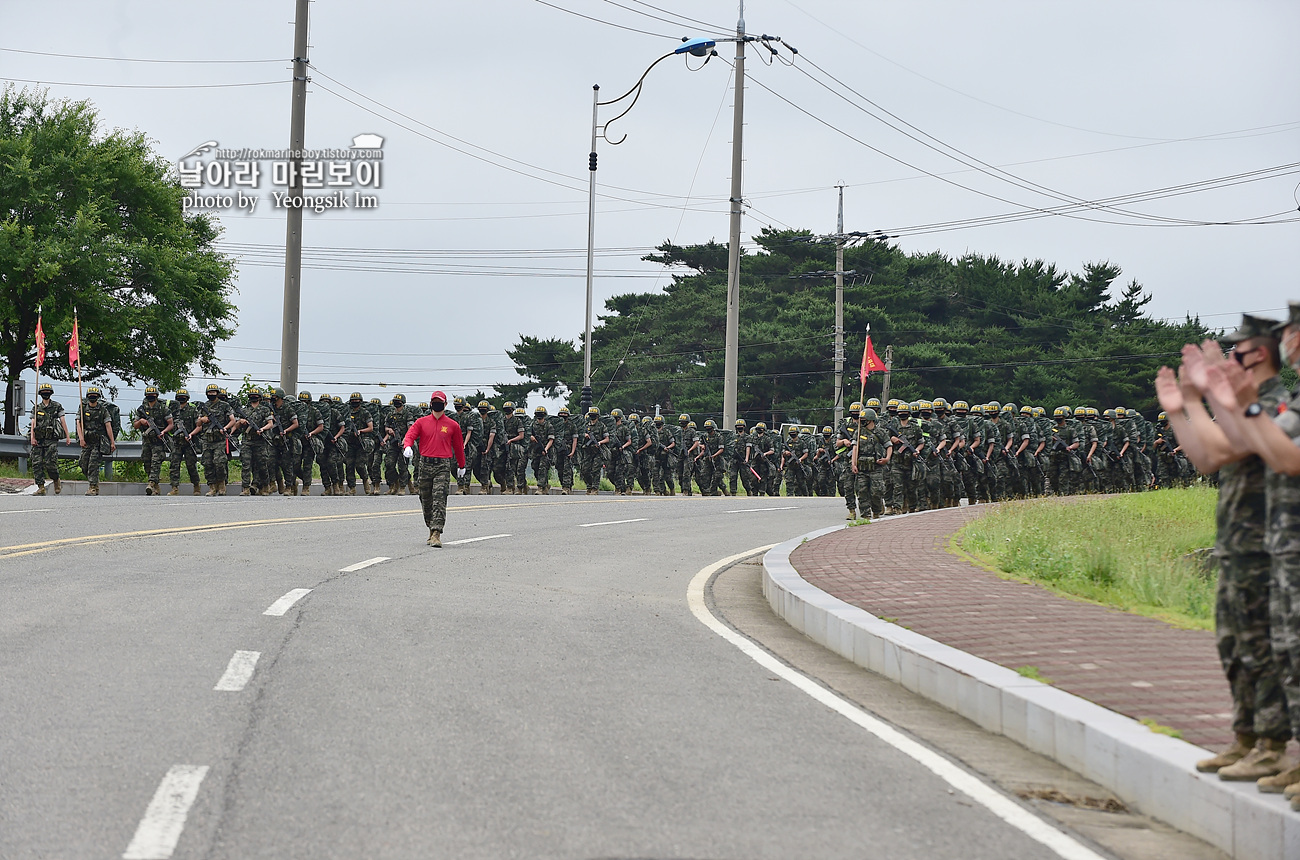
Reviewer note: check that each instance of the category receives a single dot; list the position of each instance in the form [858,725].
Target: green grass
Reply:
[1160,729]
[1032,673]
[1124,551]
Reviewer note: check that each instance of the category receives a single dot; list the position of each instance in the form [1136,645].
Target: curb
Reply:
[1153,773]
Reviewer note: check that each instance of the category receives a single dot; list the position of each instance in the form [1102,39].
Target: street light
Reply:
[702,47]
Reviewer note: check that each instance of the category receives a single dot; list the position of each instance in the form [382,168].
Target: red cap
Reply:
[438,395]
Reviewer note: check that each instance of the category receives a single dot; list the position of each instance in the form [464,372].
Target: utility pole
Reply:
[731,368]
[585,400]
[839,312]
[889,367]
[293,231]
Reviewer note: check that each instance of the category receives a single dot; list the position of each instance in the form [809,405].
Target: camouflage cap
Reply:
[1292,318]
[1253,326]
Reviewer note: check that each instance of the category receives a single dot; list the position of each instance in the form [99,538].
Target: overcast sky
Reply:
[1084,101]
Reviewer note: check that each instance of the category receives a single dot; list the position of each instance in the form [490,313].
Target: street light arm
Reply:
[635,92]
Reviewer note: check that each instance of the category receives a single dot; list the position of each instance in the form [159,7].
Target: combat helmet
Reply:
[540,410]
[710,425]
[683,419]
[1061,412]
[1092,412]
[563,412]
[874,403]
[892,404]
[1120,412]
[855,408]
[45,386]
[740,422]
[960,406]
[659,419]
[304,396]
[519,410]
[1162,418]
[1040,411]
[181,393]
[614,413]
[925,405]
[509,407]
[483,405]
[940,405]
[760,427]
[592,412]
[904,410]
[996,406]
[869,414]
[1027,410]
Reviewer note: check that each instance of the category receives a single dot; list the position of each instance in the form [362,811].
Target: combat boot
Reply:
[1286,781]
[58,485]
[392,489]
[148,489]
[40,491]
[93,491]
[293,488]
[246,492]
[1240,748]
[1268,758]
[176,491]
[365,487]
[212,489]
[852,516]
[279,486]
[221,488]
[565,491]
[435,538]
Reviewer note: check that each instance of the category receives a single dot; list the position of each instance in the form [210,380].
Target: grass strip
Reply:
[1130,552]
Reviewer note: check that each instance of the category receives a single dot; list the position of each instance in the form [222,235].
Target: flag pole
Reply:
[80,395]
[862,391]
[39,357]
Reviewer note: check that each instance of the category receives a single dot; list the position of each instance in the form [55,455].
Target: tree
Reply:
[93,221]
[976,328]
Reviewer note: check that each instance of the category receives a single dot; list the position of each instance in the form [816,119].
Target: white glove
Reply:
[408,452]
[460,473]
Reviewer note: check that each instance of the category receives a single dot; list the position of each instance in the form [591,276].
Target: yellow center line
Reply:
[86,540]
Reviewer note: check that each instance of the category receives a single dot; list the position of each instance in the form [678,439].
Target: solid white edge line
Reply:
[29,511]
[990,798]
[351,568]
[473,540]
[613,523]
[756,510]
[238,672]
[164,818]
[282,605]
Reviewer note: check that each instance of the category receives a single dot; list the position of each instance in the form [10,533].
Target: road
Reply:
[546,691]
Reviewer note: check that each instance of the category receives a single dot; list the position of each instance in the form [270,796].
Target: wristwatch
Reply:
[1254,409]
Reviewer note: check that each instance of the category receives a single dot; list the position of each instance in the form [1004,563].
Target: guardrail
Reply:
[17,446]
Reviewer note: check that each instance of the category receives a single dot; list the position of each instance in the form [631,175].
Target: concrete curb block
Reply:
[1153,773]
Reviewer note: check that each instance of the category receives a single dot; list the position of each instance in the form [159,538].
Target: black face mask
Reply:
[93,399]
[435,406]
[151,397]
[212,396]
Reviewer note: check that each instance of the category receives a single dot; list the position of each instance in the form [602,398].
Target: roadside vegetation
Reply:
[1134,552]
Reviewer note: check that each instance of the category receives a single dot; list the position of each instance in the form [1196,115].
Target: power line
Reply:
[606,23]
[142,86]
[138,60]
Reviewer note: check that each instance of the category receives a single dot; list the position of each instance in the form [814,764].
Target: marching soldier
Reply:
[95,436]
[48,419]
[154,422]
[185,417]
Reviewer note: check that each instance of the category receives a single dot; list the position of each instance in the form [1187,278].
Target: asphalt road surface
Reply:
[541,687]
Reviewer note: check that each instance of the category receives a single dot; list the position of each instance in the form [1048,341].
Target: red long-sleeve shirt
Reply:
[438,437]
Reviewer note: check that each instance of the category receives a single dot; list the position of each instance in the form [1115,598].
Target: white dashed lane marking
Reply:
[613,523]
[282,605]
[756,510]
[164,819]
[29,511]
[473,540]
[363,564]
[238,672]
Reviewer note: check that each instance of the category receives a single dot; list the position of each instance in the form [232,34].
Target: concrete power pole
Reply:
[731,369]
[293,232]
[839,312]
[889,367]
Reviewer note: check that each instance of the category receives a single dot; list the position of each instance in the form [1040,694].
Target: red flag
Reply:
[40,343]
[74,346]
[871,363]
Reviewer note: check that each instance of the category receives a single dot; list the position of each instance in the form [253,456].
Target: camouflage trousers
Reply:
[183,452]
[1062,478]
[92,457]
[864,491]
[621,472]
[375,468]
[1284,629]
[516,469]
[709,474]
[45,461]
[285,458]
[686,473]
[542,469]
[665,467]
[307,462]
[435,481]
[152,454]
[356,461]
[215,466]
[563,467]
[1241,622]
[255,460]
[472,458]
[399,473]
[483,468]
[589,463]
[904,496]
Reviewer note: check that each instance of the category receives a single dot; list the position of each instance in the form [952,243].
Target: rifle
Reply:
[1058,442]
[143,415]
[276,431]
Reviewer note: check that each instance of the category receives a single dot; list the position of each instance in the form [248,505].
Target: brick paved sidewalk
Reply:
[900,569]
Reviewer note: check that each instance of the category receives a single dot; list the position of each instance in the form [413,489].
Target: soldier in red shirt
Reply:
[440,441]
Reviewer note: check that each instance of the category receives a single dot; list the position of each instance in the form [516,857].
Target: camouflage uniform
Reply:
[592,441]
[185,415]
[153,442]
[563,451]
[515,461]
[1251,505]
[865,490]
[285,453]
[622,441]
[763,456]
[216,446]
[95,438]
[686,438]
[435,482]
[665,465]
[541,441]
[1282,541]
[47,430]
[711,465]
[375,466]
[471,430]
[906,471]
[360,445]
[488,451]
[397,423]
[255,454]
[311,429]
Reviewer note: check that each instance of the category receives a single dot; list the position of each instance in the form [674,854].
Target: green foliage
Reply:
[1032,673]
[1159,728]
[975,327]
[93,221]
[1128,551]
